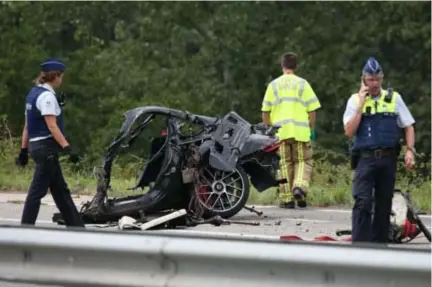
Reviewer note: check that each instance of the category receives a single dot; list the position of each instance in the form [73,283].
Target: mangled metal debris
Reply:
[208,172]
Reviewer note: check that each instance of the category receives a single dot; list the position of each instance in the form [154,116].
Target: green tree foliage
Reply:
[210,57]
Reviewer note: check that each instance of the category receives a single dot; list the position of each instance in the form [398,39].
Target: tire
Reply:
[233,210]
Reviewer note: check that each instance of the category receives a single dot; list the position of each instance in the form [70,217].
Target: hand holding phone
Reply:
[363,93]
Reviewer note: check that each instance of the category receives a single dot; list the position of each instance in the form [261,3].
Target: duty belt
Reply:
[378,153]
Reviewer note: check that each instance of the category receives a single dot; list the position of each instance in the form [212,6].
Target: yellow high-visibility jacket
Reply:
[289,98]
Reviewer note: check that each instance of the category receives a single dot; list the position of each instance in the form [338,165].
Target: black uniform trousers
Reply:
[48,174]
[373,185]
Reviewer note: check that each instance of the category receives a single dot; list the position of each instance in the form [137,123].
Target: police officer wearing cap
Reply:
[43,136]
[373,118]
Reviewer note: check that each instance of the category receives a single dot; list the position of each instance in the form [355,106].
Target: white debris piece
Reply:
[127,222]
[163,219]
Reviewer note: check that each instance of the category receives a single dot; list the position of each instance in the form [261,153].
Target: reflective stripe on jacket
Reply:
[289,99]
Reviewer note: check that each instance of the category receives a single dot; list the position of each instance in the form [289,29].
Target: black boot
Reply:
[288,205]
[300,196]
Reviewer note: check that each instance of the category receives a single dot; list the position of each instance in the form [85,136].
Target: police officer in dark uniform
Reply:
[43,137]
[374,117]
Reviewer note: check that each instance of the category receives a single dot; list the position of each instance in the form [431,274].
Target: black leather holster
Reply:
[355,157]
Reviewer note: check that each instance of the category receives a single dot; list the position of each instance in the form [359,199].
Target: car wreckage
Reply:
[204,176]
[208,173]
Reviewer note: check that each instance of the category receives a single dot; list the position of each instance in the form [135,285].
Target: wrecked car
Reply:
[208,173]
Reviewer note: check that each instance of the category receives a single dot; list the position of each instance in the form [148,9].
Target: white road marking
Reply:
[19,220]
[41,221]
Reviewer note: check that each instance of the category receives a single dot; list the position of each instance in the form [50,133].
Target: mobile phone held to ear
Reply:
[364,83]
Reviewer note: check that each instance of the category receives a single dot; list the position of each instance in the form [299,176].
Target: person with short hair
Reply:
[291,103]
[373,118]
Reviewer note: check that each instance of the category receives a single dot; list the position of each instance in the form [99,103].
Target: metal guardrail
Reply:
[110,258]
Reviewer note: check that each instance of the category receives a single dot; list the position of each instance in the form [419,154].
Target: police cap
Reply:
[52,64]
[372,67]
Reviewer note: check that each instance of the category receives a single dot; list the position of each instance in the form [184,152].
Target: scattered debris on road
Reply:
[127,222]
[252,209]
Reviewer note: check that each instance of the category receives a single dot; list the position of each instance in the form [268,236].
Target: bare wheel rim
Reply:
[218,190]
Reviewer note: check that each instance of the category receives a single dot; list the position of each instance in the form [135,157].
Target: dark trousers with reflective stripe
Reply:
[48,174]
[374,181]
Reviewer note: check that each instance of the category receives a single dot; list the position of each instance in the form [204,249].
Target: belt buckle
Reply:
[378,153]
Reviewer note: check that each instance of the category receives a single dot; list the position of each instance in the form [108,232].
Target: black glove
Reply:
[22,158]
[73,156]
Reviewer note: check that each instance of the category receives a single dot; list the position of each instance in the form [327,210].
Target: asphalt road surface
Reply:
[307,224]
